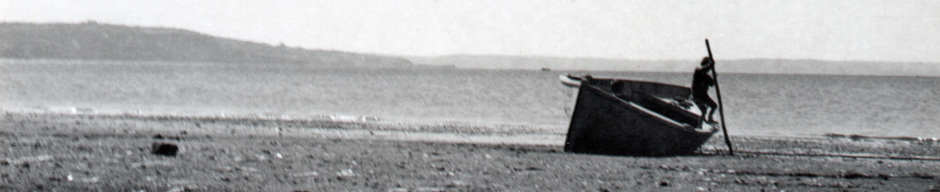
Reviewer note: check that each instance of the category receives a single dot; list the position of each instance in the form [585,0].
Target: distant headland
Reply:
[95,41]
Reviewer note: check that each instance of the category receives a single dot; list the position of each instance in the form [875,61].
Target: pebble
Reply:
[165,149]
[177,189]
[457,183]
[346,173]
[306,174]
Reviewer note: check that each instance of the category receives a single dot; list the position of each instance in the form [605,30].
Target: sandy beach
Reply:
[85,152]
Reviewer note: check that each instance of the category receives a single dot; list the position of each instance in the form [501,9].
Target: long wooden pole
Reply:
[721,107]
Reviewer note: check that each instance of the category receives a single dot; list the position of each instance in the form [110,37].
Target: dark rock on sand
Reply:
[166,149]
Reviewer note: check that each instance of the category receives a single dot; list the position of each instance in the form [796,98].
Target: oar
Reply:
[721,107]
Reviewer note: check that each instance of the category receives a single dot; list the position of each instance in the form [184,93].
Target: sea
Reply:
[755,104]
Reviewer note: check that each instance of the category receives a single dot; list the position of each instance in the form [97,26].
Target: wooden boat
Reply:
[633,118]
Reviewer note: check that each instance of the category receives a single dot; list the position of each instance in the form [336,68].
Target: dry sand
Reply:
[69,152]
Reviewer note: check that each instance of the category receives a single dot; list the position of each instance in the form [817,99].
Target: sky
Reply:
[839,30]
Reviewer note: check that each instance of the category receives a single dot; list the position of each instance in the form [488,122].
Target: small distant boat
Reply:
[633,118]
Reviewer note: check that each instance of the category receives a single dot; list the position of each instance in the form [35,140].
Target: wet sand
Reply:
[69,152]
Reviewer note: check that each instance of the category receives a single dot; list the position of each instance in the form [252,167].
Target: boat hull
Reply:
[603,123]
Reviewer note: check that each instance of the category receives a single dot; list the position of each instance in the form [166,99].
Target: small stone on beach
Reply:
[165,149]
[346,173]
[457,183]
[306,174]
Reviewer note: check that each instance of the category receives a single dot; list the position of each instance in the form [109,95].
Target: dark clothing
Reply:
[701,81]
[704,101]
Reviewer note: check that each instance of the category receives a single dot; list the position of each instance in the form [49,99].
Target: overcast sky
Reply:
[856,30]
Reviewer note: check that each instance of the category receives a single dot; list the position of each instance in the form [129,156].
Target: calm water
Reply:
[791,105]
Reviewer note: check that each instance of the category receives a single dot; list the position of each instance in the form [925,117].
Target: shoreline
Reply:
[92,153]
[379,123]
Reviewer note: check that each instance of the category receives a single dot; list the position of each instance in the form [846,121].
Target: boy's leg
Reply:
[702,107]
[713,106]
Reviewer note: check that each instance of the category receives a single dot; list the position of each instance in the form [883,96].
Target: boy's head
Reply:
[706,60]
